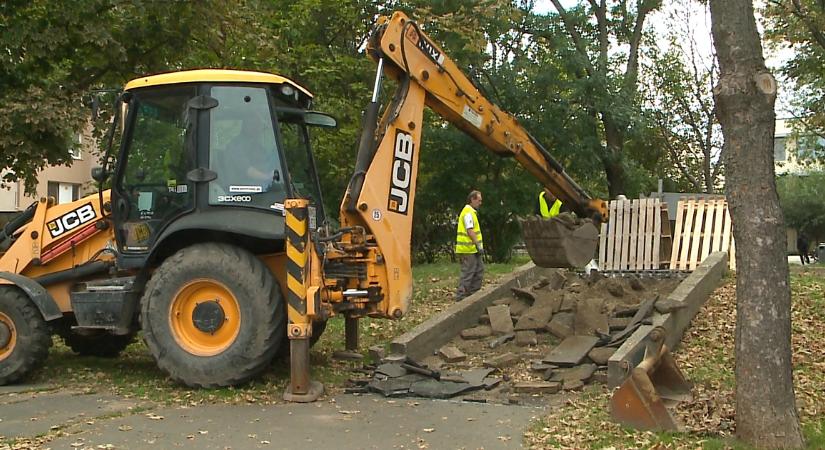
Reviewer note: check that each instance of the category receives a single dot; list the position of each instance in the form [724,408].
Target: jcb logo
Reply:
[71,220]
[401,173]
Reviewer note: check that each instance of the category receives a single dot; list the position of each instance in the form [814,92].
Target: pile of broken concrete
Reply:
[555,335]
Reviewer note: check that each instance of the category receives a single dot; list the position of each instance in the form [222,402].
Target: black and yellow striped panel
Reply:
[296,252]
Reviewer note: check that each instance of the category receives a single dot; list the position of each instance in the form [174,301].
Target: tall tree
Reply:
[766,412]
[800,24]
[612,80]
[679,95]
[53,53]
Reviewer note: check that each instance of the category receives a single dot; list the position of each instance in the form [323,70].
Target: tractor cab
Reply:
[212,154]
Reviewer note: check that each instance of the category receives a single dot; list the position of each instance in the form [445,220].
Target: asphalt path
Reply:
[81,420]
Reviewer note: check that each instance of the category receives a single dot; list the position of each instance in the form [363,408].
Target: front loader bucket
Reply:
[562,241]
[642,400]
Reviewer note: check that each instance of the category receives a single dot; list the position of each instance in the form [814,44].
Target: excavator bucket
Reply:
[643,399]
[561,241]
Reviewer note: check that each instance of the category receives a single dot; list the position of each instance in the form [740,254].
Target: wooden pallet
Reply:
[634,237]
[702,227]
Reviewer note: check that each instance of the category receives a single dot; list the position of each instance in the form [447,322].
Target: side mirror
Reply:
[320,119]
[99,175]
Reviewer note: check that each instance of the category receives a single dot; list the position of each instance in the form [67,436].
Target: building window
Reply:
[779,153]
[77,144]
[63,192]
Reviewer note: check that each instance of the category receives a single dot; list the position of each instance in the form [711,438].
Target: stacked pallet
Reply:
[635,237]
[702,227]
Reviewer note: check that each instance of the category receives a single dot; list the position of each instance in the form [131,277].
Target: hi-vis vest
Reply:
[548,212]
[463,243]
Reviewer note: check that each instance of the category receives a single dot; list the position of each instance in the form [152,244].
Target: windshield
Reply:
[243,150]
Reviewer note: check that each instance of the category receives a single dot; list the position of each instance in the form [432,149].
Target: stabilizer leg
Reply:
[299,330]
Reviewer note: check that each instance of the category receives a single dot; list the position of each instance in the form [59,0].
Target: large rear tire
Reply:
[25,337]
[100,344]
[212,315]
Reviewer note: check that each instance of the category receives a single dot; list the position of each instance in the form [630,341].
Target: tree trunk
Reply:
[766,414]
[612,161]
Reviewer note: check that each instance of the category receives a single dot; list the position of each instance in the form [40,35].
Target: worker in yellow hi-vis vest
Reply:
[548,205]
[469,247]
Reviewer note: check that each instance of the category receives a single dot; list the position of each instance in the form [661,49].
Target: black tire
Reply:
[27,336]
[101,345]
[244,343]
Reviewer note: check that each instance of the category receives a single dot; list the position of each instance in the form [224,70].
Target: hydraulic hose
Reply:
[15,224]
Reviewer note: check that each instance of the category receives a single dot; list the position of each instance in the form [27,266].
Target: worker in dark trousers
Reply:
[802,245]
[469,247]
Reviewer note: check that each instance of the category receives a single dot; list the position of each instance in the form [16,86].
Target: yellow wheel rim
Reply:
[182,312]
[8,348]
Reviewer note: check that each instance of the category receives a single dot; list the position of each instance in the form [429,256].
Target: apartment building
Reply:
[64,183]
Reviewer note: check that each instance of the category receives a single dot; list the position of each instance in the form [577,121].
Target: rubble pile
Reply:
[554,336]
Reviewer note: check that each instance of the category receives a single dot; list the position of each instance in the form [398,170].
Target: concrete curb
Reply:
[429,336]
[691,293]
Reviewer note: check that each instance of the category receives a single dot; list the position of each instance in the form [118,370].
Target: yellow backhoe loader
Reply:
[212,239]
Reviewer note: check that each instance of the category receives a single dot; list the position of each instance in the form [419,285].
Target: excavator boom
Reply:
[408,52]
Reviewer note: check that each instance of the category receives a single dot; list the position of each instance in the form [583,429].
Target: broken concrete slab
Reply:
[501,361]
[500,320]
[582,372]
[391,370]
[550,300]
[561,325]
[568,302]
[476,377]
[451,354]
[540,366]
[535,318]
[395,387]
[524,294]
[518,307]
[431,388]
[377,353]
[424,339]
[589,319]
[479,332]
[537,387]
[600,355]
[526,338]
[693,291]
[571,351]
[556,280]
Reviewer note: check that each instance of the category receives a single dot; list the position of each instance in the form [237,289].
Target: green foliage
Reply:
[800,24]
[54,53]
[803,202]
[680,106]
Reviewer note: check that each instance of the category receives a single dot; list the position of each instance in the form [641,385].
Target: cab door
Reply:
[158,151]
